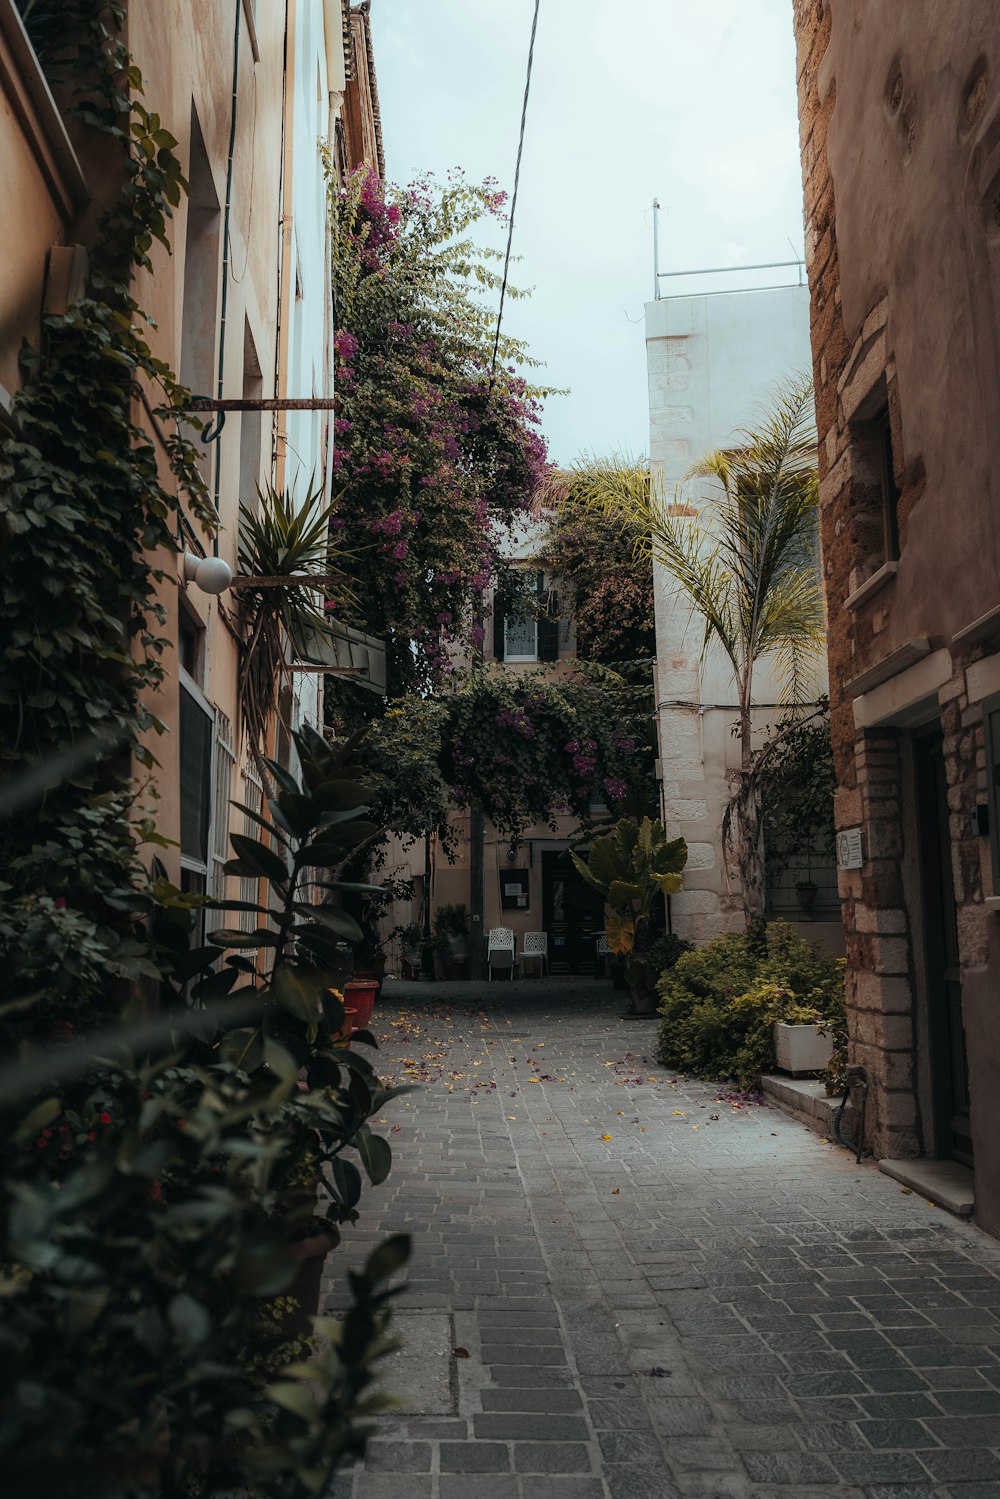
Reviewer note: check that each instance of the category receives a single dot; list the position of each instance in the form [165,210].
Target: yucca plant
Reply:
[745,559]
[281,541]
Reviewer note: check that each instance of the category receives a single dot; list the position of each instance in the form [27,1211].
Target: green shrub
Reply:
[719,1002]
[665,951]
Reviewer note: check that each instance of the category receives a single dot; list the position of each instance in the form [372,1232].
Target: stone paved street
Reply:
[659,1291]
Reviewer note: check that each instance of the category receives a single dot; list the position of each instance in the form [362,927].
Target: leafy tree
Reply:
[797,781]
[593,555]
[745,562]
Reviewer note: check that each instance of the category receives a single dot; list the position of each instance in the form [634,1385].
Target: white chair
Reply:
[499,950]
[536,945]
[603,952]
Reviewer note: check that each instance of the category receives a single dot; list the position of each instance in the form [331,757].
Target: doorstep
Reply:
[805,1098]
[947,1184]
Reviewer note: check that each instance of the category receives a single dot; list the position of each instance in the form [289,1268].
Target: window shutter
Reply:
[222,770]
[196,734]
[548,627]
[498,633]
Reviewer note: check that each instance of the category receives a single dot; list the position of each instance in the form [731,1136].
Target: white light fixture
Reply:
[210,574]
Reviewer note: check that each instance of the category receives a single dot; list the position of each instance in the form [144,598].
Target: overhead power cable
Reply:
[513,200]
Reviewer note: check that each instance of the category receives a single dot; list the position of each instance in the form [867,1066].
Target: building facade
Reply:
[254,92]
[900,134]
[527,886]
[713,360]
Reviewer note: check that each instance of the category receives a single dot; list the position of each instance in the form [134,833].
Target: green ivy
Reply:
[86,522]
[154,1172]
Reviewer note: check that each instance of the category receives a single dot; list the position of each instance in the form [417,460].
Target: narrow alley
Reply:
[630,1285]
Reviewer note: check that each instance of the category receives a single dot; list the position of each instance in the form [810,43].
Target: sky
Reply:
[694,104]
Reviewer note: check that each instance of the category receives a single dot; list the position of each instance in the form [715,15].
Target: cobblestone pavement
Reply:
[660,1292]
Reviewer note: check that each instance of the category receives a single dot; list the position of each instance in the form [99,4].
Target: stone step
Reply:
[805,1098]
[947,1184]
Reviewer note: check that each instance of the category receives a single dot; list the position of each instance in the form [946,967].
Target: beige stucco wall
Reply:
[185,51]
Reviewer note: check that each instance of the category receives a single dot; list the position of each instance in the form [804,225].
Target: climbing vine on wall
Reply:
[86,521]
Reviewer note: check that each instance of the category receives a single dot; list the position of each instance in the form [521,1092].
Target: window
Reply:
[190,643]
[520,637]
[202,261]
[197,726]
[890,491]
[531,631]
[874,497]
[224,758]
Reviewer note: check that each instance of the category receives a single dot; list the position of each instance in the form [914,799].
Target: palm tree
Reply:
[745,559]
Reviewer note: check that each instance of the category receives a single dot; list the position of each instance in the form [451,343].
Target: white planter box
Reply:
[801,1048]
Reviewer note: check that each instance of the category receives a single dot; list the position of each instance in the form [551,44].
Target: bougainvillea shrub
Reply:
[436,453]
[527,746]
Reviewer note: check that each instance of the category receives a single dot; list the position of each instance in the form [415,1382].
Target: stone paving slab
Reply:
[665,1291]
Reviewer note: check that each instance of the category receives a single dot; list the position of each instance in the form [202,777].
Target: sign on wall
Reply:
[850,852]
[514,889]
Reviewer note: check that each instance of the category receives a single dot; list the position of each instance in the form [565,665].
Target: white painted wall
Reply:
[712,362]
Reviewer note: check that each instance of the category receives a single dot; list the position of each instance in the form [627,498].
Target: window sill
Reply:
[992,903]
[872,585]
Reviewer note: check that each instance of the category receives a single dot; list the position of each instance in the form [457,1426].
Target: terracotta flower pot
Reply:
[311,1253]
[359,994]
[343,1036]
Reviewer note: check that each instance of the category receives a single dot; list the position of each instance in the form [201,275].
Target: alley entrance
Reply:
[628,1285]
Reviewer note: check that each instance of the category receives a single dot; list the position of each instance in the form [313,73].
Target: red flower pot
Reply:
[360,994]
[343,1036]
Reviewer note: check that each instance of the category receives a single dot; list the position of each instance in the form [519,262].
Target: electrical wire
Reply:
[513,200]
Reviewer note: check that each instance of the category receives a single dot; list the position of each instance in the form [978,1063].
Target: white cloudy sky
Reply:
[691,102]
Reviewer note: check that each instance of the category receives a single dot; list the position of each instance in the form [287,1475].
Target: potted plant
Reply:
[634,867]
[451,927]
[363,987]
[410,939]
[806,891]
[803,1042]
[318,823]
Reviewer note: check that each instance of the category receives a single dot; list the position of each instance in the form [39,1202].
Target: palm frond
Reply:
[745,560]
[280,540]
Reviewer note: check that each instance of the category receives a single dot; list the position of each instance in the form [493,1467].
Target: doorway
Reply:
[946,1031]
[572,915]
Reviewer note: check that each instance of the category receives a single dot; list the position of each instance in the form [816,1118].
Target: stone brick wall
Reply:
[904,276]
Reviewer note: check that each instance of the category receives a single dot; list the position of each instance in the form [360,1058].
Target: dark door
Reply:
[572,914]
[946,1032]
